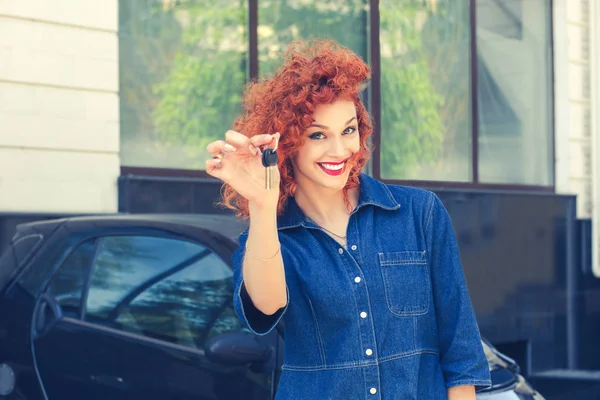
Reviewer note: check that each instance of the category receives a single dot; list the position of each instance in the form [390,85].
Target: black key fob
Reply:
[269,158]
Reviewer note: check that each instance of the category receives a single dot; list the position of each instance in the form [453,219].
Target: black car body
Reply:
[139,307]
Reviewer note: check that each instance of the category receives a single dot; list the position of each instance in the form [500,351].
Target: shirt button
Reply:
[357,279]
[363,314]
[340,250]
[369,352]
[353,247]
[373,391]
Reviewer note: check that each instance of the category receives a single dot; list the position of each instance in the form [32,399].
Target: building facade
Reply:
[59,90]
[107,106]
[63,104]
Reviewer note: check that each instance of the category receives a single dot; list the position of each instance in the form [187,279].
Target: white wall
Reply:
[572,25]
[594,21]
[59,106]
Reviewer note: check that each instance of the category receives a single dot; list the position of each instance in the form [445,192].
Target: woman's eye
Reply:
[316,136]
[349,130]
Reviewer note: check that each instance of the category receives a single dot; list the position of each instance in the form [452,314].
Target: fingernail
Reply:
[229,147]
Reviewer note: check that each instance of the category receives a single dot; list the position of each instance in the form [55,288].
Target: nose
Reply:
[337,148]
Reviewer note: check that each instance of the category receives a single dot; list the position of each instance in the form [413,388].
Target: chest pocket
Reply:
[406,282]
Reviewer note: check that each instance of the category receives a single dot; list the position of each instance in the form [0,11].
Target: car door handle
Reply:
[111,381]
[47,313]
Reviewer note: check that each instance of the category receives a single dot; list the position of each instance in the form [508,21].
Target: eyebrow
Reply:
[325,127]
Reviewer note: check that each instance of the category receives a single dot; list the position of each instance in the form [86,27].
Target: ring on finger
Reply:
[219,156]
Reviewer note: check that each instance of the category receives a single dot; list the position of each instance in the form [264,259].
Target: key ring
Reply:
[276,144]
[274,148]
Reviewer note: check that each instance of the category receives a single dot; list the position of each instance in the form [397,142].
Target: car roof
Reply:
[226,225]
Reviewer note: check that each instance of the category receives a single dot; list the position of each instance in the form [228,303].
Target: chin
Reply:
[334,182]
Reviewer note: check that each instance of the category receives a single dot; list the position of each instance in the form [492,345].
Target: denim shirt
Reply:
[390,318]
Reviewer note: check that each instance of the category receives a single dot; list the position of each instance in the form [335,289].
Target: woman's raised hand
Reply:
[237,162]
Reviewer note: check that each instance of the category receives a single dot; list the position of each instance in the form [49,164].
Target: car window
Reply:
[123,263]
[15,255]
[24,247]
[166,289]
[68,283]
[8,265]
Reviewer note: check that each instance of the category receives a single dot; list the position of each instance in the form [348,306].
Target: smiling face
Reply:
[329,143]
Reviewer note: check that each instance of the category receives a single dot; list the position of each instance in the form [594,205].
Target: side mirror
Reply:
[236,348]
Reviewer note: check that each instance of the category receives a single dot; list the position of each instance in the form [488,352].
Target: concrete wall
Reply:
[59,106]
[573,140]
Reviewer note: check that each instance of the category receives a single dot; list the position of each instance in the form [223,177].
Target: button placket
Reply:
[365,326]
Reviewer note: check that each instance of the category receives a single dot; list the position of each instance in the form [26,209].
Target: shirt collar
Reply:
[372,192]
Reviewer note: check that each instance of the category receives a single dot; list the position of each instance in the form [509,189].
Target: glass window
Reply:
[165,289]
[425,90]
[125,262]
[182,70]
[8,265]
[24,247]
[514,92]
[68,283]
[282,21]
[187,307]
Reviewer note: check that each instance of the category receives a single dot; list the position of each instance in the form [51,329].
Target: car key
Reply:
[269,161]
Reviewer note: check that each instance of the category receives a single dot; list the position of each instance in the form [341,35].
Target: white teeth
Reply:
[332,167]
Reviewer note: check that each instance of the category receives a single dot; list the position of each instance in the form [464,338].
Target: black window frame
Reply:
[375,111]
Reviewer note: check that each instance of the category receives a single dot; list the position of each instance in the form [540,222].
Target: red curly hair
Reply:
[314,72]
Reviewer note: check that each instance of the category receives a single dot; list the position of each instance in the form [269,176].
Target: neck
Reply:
[326,206]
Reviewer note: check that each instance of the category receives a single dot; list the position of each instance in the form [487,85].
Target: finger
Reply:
[254,150]
[261,140]
[257,141]
[236,139]
[219,146]
[213,167]
[275,141]
[215,147]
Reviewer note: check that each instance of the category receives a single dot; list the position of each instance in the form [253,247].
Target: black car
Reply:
[140,307]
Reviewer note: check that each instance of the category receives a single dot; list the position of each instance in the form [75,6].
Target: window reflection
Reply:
[162,288]
[124,262]
[188,307]
[182,69]
[282,21]
[514,91]
[68,283]
[425,90]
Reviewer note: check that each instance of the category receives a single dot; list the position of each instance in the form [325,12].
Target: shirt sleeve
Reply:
[254,319]
[462,358]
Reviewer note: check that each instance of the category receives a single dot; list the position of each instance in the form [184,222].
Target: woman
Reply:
[366,275]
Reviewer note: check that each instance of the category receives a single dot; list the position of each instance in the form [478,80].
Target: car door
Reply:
[131,316]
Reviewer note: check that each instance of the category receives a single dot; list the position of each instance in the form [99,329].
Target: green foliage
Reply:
[283,21]
[201,95]
[412,130]
[415,84]
[195,64]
